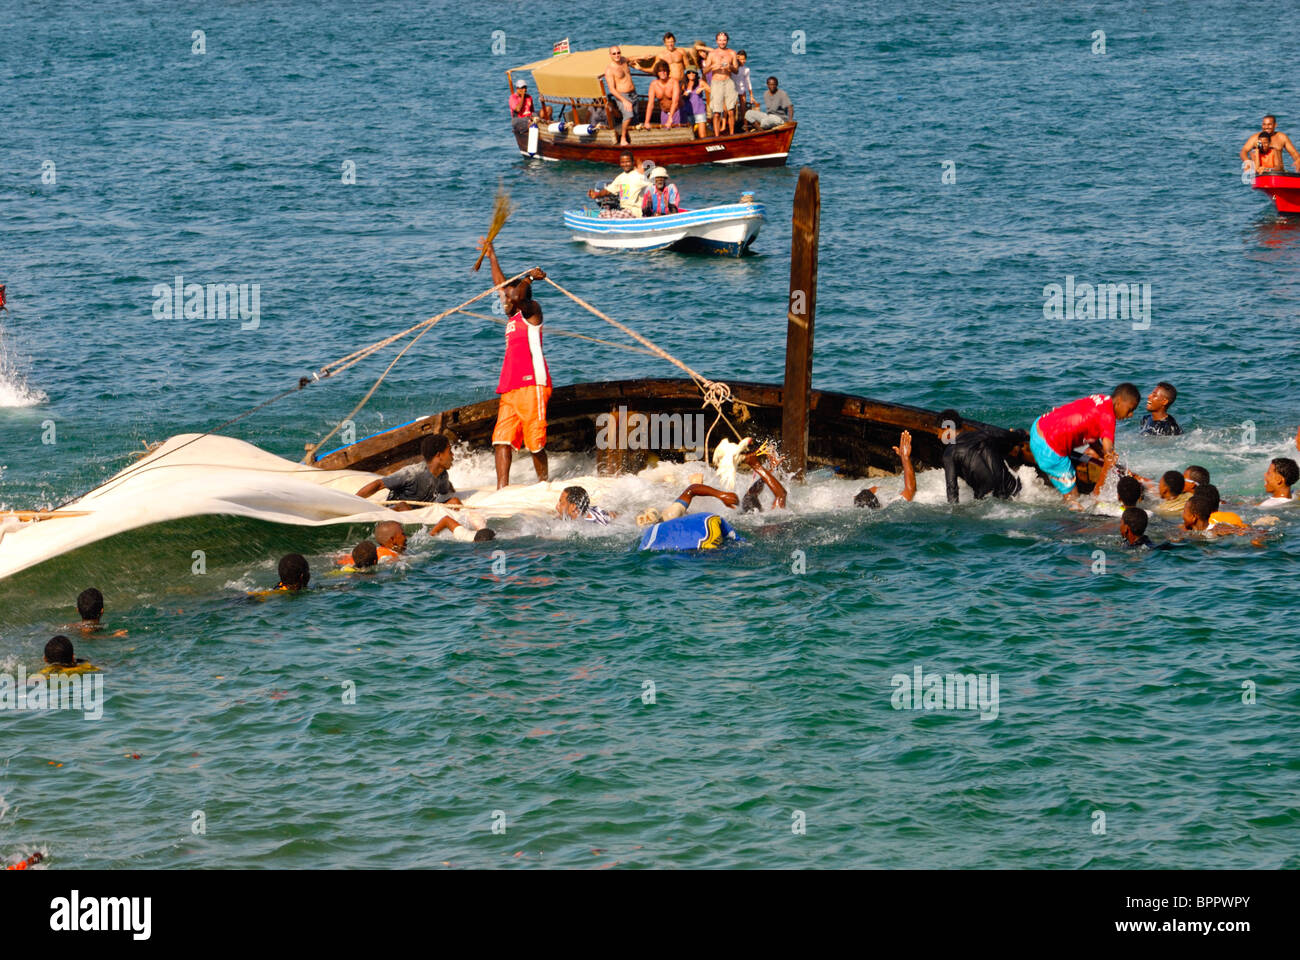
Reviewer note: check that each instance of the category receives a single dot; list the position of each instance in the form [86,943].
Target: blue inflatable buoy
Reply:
[695,531]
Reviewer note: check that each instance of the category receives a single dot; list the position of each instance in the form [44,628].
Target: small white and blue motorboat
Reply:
[725,231]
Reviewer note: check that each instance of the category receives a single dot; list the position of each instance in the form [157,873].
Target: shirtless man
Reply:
[618,81]
[1268,145]
[670,55]
[723,99]
[667,93]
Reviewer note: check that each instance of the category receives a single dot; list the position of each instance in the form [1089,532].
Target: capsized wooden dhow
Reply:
[814,428]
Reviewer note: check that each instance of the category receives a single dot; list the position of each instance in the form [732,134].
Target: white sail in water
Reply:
[194,475]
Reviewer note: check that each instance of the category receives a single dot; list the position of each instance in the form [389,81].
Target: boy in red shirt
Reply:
[1056,434]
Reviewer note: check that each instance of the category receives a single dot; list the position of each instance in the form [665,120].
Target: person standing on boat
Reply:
[628,187]
[618,81]
[525,382]
[1268,145]
[694,97]
[666,94]
[719,67]
[676,60]
[662,197]
[1060,431]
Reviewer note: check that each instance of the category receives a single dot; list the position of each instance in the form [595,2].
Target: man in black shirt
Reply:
[1158,422]
[422,483]
[981,457]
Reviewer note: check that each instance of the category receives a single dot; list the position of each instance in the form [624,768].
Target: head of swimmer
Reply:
[867,498]
[1172,484]
[1125,400]
[1196,512]
[1281,476]
[365,555]
[1162,397]
[573,503]
[90,605]
[1133,524]
[59,651]
[294,572]
[435,450]
[389,533]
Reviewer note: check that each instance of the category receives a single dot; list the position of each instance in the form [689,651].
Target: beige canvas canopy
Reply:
[577,75]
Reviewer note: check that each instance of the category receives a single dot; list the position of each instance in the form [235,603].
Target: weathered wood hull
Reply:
[851,433]
[760,148]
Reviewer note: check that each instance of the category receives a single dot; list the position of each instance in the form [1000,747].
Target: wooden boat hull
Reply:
[1283,188]
[759,148]
[725,230]
[850,433]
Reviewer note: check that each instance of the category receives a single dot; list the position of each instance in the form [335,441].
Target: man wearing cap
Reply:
[521,104]
[662,197]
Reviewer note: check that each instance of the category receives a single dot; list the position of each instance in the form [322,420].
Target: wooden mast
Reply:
[797,392]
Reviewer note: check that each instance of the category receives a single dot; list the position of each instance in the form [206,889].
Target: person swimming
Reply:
[90,607]
[763,462]
[363,558]
[294,573]
[60,658]
[1133,530]
[694,531]
[867,497]
[461,532]
[390,539]
[983,458]
[1198,476]
[1202,514]
[1174,494]
[682,505]
[1129,491]
[575,504]
[1279,478]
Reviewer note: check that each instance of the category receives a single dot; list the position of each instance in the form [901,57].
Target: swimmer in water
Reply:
[1279,478]
[90,607]
[763,463]
[363,558]
[1202,514]
[1158,421]
[1175,491]
[1197,477]
[391,540]
[1057,433]
[294,573]
[868,498]
[680,506]
[462,532]
[59,658]
[575,504]
[1133,530]
[1129,492]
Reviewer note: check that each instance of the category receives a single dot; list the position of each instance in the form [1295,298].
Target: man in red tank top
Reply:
[525,382]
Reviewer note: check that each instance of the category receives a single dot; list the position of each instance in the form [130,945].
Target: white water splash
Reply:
[14,388]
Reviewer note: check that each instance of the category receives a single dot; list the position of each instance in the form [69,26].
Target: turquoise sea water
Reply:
[476,692]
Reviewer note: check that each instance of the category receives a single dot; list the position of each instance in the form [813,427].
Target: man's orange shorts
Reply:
[521,418]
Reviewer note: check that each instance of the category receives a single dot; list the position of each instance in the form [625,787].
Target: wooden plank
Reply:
[799,322]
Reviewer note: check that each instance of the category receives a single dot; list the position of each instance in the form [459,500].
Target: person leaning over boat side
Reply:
[424,482]
[1268,145]
[777,108]
[1056,434]
[665,96]
[525,381]
[627,187]
[1158,421]
[719,66]
[618,81]
[867,496]
[662,198]
[981,458]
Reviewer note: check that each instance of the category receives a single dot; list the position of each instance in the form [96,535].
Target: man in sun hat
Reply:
[662,197]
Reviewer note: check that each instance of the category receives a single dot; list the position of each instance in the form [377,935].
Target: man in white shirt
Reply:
[627,187]
[1281,475]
